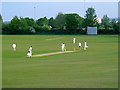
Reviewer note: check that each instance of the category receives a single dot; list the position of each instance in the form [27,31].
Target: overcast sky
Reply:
[51,9]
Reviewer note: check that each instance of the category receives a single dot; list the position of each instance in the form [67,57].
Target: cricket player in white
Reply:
[30,49]
[85,45]
[74,39]
[79,45]
[29,54]
[63,47]
[14,46]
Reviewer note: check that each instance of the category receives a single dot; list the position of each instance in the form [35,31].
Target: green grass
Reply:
[97,67]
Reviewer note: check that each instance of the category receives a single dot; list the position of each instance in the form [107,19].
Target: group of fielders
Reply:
[63,47]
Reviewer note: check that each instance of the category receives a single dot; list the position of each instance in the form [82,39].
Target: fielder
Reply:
[63,47]
[30,49]
[14,46]
[85,45]
[74,40]
[79,45]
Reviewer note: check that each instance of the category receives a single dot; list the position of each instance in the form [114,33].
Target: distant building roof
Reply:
[99,20]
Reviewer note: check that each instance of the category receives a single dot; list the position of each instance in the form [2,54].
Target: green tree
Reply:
[71,23]
[52,22]
[106,21]
[115,26]
[30,21]
[24,27]
[21,25]
[42,21]
[14,25]
[90,17]
[60,21]
[43,24]
[6,28]
[80,21]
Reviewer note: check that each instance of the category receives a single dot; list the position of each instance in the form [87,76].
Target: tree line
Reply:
[61,24]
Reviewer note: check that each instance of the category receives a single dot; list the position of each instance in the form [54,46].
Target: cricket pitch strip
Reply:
[46,54]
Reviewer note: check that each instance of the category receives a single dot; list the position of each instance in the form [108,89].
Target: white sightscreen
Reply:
[91,30]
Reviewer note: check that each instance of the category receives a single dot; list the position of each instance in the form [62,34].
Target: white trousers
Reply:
[85,47]
[14,49]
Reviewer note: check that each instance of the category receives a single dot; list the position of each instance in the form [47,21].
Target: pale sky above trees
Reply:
[51,9]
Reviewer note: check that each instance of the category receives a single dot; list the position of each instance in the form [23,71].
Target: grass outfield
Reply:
[96,67]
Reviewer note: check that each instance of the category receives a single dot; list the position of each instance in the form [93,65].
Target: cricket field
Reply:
[97,67]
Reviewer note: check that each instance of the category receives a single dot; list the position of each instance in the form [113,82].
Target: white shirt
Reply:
[79,44]
[73,40]
[14,45]
[63,45]
[85,44]
[30,49]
